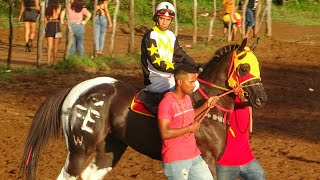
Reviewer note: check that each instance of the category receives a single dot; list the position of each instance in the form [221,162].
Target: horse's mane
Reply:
[222,52]
[220,55]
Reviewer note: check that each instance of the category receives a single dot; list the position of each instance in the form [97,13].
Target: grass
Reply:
[71,64]
[303,13]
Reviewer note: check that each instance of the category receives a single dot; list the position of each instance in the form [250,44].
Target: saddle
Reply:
[146,103]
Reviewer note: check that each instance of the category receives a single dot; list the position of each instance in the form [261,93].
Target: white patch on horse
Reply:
[215,117]
[74,94]
[87,119]
[100,103]
[93,173]
[95,113]
[65,176]
[78,140]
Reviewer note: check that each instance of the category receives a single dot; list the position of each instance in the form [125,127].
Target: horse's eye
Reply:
[243,69]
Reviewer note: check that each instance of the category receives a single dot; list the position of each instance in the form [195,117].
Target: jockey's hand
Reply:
[212,101]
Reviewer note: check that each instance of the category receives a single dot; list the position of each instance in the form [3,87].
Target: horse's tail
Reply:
[46,122]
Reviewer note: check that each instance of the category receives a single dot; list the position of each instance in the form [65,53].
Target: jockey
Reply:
[161,52]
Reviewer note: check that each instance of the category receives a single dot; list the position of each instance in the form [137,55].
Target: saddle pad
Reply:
[138,107]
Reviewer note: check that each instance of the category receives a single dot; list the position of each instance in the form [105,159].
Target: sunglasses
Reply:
[162,12]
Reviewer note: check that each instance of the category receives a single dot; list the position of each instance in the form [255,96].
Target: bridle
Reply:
[237,89]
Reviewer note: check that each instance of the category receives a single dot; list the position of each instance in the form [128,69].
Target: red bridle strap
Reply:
[212,85]
[219,107]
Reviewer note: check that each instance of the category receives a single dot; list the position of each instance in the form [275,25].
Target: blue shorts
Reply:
[250,171]
[249,18]
[193,169]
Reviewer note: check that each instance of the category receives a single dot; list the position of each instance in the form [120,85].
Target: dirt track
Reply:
[286,132]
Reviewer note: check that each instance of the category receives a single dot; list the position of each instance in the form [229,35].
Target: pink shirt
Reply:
[238,151]
[180,113]
[77,17]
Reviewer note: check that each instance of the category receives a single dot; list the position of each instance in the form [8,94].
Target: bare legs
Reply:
[30,32]
[52,45]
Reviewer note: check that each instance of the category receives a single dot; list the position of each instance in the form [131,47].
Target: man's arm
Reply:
[204,109]
[167,133]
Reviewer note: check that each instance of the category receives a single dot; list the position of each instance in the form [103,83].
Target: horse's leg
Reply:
[108,153]
[73,166]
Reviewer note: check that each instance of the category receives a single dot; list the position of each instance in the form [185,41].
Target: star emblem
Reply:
[169,65]
[153,50]
[157,61]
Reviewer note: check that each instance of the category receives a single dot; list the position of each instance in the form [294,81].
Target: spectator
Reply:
[101,25]
[250,20]
[229,7]
[177,124]
[53,31]
[76,13]
[238,159]
[236,21]
[29,14]
[160,55]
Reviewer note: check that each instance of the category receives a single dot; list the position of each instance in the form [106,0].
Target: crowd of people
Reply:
[78,15]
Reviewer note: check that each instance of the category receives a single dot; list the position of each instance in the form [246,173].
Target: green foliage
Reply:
[298,12]
[301,12]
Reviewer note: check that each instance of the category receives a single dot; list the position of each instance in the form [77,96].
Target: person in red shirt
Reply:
[238,159]
[177,124]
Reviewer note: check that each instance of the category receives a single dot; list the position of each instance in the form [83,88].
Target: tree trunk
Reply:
[257,19]
[10,36]
[212,19]
[70,32]
[244,9]
[40,33]
[230,28]
[194,34]
[154,6]
[114,25]
[131,27]
[95,4]
[268,18]
[176,27]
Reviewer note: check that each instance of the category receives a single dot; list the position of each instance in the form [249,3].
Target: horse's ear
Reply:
[254,45]
[243,44]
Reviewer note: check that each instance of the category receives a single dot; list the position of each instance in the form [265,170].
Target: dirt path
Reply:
[286,132]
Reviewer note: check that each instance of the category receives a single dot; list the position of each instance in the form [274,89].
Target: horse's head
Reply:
[245,71]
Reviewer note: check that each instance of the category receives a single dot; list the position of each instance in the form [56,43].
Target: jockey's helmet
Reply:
[164,9]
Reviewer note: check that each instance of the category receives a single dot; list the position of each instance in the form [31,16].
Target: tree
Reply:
[194,34]
[212,19]
[70,31]
[114,22]
[244,9]
[95,4]
[268,18]
[257,18]
[131,26]
[40,32]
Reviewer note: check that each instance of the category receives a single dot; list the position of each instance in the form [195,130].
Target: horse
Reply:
[95,117]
